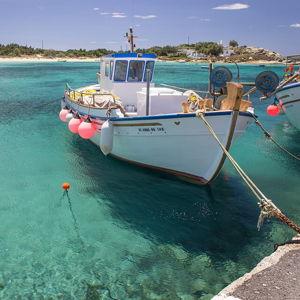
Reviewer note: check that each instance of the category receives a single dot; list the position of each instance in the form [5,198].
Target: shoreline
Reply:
[45,59]
[93,59]
[250,62]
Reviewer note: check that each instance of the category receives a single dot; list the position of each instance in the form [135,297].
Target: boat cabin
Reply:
[124,74]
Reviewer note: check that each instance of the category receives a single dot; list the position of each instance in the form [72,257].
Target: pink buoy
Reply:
[273,110]
[74,124]
[63,114]
[87,129]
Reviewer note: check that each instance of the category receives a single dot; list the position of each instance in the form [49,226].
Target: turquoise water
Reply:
[142,235]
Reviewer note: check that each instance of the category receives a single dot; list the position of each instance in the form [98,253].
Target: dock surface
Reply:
[276,277]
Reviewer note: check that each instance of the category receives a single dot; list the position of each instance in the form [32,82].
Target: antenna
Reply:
[130,38]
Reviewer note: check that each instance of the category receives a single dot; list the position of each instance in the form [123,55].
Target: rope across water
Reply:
[268,208]
[268,135]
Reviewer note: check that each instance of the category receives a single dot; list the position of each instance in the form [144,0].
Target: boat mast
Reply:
[130,38]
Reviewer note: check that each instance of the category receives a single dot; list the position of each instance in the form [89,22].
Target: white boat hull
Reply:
[177,144]
[289,97]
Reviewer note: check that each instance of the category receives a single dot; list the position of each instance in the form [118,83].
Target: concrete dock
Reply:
[276,277]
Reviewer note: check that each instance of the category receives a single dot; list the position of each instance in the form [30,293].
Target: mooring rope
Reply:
[267,207]
[76,226]
[269,136]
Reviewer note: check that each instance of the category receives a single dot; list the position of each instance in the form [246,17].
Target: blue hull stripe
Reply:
[290,86]
[176,116]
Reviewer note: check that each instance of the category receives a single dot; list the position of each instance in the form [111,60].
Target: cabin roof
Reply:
[132,55]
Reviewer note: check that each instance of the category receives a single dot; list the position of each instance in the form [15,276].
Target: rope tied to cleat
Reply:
[267,208]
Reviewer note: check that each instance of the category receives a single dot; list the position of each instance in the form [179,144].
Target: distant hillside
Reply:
[246,53]
[15,50]
[201,51]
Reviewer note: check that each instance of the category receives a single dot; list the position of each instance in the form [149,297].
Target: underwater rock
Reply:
[185,296]
[116,291]
[207,297]
[93,292]
[198,285]
[2,282]
[199,263]
[175,251]
[180,254]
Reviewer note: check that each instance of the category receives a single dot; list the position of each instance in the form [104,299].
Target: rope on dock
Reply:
[268,135]
[267,207]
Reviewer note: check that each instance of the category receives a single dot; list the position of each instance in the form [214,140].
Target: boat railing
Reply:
[81,96]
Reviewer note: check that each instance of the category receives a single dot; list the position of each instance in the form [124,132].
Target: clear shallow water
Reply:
[145,235]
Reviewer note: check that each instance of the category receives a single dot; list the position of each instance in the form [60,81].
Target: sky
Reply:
[92,24]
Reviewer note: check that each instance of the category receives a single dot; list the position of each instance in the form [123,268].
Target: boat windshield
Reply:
[120,70]
[136,69]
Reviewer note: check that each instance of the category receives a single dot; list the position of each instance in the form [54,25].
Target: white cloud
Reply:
[296,25]
[114,14]
[111,42]
[192,17]
[146,17]
[118,15]
[233,6]
[96,8]
[93,42]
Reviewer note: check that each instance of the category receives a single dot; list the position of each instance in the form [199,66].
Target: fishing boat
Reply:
[156,127]
[286,92]
[289,99]
[289,95]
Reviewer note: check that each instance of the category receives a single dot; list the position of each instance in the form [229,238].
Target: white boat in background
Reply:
[288,92]
[289,99]
[154,127]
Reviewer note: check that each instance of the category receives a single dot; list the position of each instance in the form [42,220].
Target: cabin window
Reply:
[107,69]
[136,70]
[120,70]
[149,66]
[111,69]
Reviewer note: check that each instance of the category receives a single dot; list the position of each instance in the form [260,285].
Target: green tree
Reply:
[209,48]
[233,43]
